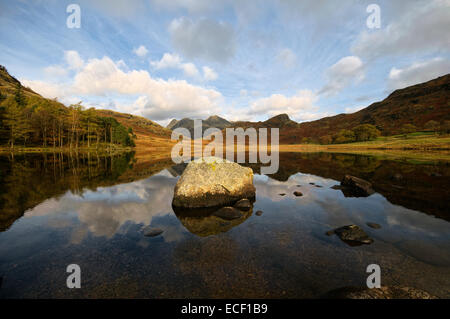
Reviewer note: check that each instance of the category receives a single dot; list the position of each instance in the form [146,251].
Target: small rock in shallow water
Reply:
[259,213]
[357,187]
[373,225]
[311,183]
[152,232]
[243,204]
[228,213]
[282,194]
[318,186]
[353,235]
[298,194]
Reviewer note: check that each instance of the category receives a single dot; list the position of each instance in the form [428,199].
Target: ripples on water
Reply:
[90,210]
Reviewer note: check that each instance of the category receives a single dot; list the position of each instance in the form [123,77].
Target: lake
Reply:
[89,210]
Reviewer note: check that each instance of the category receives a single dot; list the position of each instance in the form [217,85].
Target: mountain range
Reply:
[415,105]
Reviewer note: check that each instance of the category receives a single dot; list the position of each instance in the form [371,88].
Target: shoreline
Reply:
[431,148]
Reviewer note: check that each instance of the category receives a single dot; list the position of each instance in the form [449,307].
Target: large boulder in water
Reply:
[211,182]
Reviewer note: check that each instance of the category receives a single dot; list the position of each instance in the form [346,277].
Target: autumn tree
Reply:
[326,139]
[344,136]
[16,123]
[366,132]
[407,129]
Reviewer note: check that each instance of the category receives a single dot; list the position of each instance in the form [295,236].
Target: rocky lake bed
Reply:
[130,240]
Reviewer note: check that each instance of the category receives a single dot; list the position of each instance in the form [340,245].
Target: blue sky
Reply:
[244,60]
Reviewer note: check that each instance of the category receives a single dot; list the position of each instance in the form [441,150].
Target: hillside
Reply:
[416,105]
[40,121]
[8,84]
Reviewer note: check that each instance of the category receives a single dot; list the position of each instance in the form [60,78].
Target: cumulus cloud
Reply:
[287,58]
[209,74]
[174,61]
[423,28]
[141,51]
[73,60]
[275,104]
[158,99]
[46,89]
[206,39]
[346,71]
[418,72]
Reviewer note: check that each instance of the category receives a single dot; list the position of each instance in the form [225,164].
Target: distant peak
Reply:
[214,117]
[281,117]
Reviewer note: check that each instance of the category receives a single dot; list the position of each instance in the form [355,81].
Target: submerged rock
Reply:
[259,213]
[282,194]
[152,231]
[353,235]
[228,213]
[212,181]
[243,204]
[203,222]
[357,186]
[373,225]
[393,292]
[298,194]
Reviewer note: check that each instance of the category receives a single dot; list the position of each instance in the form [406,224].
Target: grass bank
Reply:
[104,149]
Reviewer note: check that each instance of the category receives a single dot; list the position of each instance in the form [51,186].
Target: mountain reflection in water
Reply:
[58,209]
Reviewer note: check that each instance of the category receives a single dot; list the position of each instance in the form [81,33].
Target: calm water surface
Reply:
[56,210]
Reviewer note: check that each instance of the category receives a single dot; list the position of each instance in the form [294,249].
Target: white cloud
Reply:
[55,71]
[287,58]
[346,71]
[46,89]
[158,99]
[73,60]
[209,74]
[418,72]
[174,61]
[421,28]
[167,61]
[141,51]
[205,38]
[190,69]
[276,104]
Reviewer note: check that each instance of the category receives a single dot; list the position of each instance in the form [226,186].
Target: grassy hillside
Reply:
[30,120]
[414,105]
